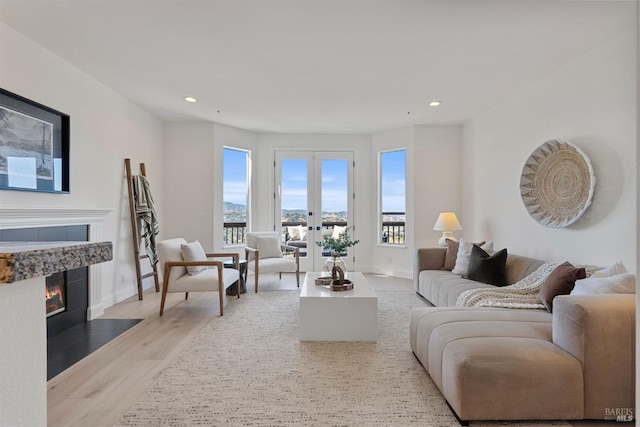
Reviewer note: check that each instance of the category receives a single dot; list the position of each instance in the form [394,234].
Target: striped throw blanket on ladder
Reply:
[146,212]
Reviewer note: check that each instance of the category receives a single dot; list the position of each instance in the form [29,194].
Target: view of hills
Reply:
[234,212]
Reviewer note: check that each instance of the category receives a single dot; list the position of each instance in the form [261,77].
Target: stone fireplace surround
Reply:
[13,218]
[23,397]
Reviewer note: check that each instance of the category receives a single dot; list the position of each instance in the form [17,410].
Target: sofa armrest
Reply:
[427,259]
[599,331]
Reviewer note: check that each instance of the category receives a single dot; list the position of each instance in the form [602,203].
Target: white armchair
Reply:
[264,254]
[187,268]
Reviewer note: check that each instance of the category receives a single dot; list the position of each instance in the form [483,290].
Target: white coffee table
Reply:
[327,315]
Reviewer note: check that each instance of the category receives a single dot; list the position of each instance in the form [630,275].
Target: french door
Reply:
[313,198]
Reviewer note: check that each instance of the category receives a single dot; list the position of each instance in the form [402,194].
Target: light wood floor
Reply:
[98,390]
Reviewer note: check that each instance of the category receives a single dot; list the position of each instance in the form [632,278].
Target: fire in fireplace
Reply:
[55,293]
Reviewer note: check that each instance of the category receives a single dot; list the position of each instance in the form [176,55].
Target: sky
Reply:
[393,181]
[334,177]
[234,173]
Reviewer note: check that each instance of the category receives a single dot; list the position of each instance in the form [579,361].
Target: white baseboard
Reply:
[403,274]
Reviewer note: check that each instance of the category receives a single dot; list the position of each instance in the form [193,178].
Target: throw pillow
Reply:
[560,282]
[450,256]
[294,233]
[193,252]
[464,252]
[269,246]
[487,268]
[610,270]
[624,283]
[337,231]
[302,232]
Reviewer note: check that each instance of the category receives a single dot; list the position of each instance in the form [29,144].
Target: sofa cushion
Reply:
[497,363]
[518,267]
[511,378]
[487,268]
[442,288]
[560,282]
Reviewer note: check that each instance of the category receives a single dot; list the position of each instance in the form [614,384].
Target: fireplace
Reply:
[55,292]
[66,293]
[91,221]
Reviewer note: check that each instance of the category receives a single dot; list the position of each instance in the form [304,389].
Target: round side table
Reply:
[242,268]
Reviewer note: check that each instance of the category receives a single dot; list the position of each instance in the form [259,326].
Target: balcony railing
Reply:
[235,233]
[393,231]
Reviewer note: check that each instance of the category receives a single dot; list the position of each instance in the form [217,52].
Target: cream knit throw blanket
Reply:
[522,294]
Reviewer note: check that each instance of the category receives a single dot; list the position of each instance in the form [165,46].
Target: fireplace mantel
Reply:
[28,217]
[17,217]
[24,260]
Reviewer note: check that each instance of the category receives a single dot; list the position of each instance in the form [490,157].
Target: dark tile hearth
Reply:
[76,343]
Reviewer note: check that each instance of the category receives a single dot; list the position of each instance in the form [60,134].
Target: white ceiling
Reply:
[318,66]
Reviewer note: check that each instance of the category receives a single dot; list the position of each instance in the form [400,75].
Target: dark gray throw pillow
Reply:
[487,268]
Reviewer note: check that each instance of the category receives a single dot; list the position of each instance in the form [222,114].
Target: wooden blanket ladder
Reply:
[135,232]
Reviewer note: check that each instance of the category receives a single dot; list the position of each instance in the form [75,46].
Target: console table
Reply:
[23,333]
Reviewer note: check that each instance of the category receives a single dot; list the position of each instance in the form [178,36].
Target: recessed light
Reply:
[190,99]
[434,103]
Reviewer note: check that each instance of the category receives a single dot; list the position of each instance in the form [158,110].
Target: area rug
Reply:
[249,368]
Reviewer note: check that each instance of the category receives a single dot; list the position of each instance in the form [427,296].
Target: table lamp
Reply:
[447,223]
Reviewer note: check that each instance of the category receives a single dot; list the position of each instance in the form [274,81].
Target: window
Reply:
[235,194]
[392,197]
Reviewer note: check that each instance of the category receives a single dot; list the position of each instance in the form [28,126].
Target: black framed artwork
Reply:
[34,146]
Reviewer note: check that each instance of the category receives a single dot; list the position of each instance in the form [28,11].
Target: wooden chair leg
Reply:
[220,291]
[256,271]
[165,284]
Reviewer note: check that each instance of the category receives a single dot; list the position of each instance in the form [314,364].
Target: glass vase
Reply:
[334,259]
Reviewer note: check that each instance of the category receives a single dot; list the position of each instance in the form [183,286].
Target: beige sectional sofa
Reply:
[442,287]
[520,364]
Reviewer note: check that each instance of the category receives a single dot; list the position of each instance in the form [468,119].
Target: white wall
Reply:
[591,102]
[105,128]
[437,179]
[189,182]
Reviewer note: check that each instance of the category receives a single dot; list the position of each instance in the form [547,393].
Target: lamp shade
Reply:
[447,221]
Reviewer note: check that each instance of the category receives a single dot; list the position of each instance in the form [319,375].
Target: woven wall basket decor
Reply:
[557,184]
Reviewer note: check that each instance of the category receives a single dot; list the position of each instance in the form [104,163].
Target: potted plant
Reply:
[338,246]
